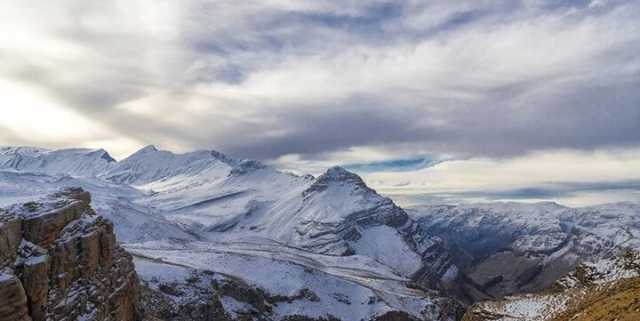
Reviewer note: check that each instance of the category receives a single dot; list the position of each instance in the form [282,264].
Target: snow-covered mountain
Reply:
[509,248]
[150,164]
[75,161]
[360,254]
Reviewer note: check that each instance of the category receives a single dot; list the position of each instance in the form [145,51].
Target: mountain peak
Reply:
[147,153]
[103,154]
[337,169]
[246,166]
[336,176]
[339,174]
[222,157]
[150,163]
[148,149]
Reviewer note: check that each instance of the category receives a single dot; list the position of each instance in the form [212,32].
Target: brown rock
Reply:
[13,298]
[35,280]
[10,236]
[395,316]
[68,265]
[44,228]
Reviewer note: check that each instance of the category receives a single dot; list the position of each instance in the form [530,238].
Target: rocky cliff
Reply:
[60,261]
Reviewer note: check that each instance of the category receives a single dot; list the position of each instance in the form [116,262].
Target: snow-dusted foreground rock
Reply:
[60,261]
[605,290]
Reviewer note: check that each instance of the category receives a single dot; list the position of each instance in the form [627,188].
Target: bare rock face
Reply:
[13,298]
[60,261]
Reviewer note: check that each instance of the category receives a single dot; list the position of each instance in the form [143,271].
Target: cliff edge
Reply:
[60,261]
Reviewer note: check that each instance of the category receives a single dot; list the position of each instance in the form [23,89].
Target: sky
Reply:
[430,101]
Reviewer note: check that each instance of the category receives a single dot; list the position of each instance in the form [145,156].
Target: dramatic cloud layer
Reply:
[569,177]
[307,83]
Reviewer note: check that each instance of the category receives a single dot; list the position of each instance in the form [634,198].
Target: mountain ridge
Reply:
[252,208]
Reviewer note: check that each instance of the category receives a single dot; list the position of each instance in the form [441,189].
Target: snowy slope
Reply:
[150,164]
[535,228]
[349,288]
[74,162]
[133,222]
[329,214]
[512,248]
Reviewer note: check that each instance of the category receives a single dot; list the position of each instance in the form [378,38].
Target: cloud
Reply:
[555,190]
[310,81]
[395,165]
[569,177]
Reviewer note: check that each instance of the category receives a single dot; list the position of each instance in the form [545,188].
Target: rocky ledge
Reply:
[59,261]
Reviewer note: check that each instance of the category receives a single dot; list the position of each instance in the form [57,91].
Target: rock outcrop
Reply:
[60,261]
